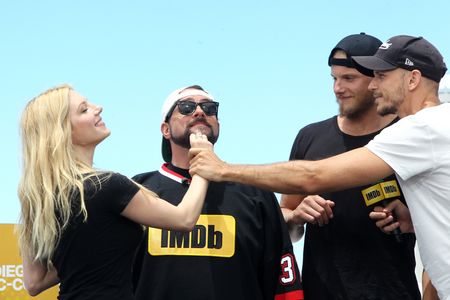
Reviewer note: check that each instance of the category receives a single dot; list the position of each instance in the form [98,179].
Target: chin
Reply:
[107,134]
[202,128]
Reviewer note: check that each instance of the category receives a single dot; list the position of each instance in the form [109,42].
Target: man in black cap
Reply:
[348,257]
[407,72]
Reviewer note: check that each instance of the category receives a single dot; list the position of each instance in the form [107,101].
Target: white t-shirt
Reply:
[417,148]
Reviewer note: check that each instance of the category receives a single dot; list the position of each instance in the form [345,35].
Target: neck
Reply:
[85,155]
[366,123]
[429,101]
[418,101]
[180,157]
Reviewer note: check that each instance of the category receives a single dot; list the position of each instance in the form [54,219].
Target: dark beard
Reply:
[183,139]
[387,110]
[359,110]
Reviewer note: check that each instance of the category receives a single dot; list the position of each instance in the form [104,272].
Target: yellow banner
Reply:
[213,235]
[11,270]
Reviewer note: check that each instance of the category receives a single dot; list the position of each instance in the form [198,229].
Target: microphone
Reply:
[381,192]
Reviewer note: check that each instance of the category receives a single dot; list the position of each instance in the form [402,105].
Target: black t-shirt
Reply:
[94,257]
[239,249]
[350,258]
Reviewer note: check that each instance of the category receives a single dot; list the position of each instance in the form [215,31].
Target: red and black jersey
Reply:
[239,249]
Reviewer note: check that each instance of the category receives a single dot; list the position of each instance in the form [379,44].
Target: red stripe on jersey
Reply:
[294,295]
[164,170]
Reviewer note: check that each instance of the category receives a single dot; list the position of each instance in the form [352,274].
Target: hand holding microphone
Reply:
[384,192]
[384,220]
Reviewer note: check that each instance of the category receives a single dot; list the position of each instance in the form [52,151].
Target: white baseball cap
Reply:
[169,103]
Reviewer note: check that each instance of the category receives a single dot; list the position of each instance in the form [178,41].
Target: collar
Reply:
[170,171]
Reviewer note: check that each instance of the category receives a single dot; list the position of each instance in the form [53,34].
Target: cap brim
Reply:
[166,150]
[373,63]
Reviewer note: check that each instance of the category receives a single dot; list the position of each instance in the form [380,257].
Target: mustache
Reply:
[199,120]
[377,95]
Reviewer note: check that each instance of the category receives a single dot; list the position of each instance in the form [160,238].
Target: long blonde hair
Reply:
[50,175]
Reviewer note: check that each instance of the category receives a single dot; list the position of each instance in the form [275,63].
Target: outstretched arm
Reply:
[353,168]
[147,209]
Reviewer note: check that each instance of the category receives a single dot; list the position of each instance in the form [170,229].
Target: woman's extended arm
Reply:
[147,209]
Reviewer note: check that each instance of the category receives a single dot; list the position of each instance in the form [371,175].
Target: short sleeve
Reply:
[117,191]
[405,147]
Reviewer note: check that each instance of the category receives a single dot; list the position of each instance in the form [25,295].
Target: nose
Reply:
[337,87]
[372,85]
[98,109]
[199,111]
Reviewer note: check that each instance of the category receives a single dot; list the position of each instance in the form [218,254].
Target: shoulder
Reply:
[321,124]
[317,127]
[115,181]
[143,177]
[432,116]
[110,190]
[248,191]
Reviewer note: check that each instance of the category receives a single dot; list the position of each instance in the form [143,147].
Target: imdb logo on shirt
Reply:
[213,235]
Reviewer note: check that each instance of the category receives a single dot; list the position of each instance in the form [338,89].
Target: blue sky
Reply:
[264,61]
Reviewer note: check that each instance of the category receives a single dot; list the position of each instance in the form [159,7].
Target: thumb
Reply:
[391,206]
[193,152]
[331,203]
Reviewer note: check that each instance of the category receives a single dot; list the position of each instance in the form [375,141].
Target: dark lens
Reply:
[186,107]
[210,108]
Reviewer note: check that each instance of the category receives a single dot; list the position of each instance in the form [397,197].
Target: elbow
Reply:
[33,289]
[311,188]
[304,178]
[315,182]
[188,225]
[38,277]
[306,186]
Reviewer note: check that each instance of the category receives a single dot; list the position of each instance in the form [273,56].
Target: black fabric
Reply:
[94,258]
[251,272]
[406,52]
[350,258]
[355,45]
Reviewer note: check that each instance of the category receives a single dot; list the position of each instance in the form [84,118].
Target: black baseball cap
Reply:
[409,53]
[355,45]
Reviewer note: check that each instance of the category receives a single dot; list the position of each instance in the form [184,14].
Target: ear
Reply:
[414,79]
[165,130]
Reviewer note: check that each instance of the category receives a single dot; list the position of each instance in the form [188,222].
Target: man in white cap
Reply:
[407,72]
[240,247]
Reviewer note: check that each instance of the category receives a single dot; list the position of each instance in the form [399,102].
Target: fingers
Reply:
[379,213]
[328,205]
[199,140]
[384,219]
[314,210]
[197,137]
[391,227]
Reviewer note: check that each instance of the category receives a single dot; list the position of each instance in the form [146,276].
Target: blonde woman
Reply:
[80,226]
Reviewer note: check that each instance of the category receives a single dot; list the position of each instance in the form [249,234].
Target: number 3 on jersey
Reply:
[288,275]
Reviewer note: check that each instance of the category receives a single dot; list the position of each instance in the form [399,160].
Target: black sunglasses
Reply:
[187,107]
